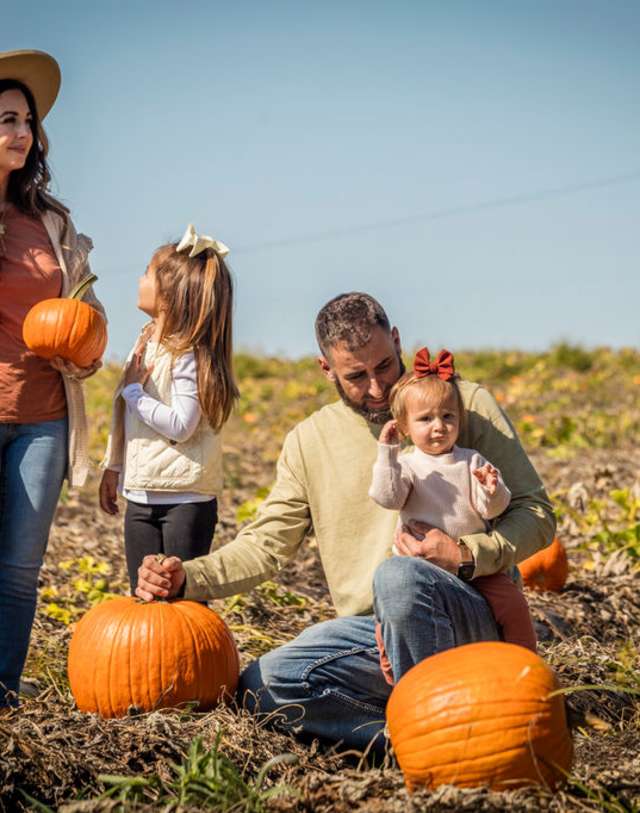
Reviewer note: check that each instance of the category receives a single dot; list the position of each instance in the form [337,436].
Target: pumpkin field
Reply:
[578,415]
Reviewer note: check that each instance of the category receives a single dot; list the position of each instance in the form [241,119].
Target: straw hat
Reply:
[38,71]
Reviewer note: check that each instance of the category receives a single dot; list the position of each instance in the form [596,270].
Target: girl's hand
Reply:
[72,370]
[390,434]
[135,371]
[108,491]
[487,476]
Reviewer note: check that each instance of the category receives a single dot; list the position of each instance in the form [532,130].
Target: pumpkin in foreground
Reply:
[128,654]
[480,714]
[66,327]
[547,569]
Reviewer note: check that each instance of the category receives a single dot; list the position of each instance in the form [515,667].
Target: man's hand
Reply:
[160,579]
[390,434]
[432,544]
[72,370]
[108,491]
[487,476]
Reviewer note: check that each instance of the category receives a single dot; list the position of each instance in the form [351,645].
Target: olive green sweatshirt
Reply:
[323,476]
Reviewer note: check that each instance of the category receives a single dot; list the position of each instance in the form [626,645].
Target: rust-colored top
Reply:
[30,389]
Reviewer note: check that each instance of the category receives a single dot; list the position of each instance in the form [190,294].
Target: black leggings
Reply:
[180,529]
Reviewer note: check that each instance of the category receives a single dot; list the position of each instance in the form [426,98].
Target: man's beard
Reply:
[377,416]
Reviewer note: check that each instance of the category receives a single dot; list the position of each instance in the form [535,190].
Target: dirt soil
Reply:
[52,752]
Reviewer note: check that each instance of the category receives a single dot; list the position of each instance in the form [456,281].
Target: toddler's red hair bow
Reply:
[442,366]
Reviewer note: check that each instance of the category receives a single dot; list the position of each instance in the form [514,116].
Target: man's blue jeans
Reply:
[327,683]
[33,461]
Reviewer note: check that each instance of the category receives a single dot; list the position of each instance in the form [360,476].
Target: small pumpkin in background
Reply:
[129,654]
[478,715]
[547,569]
[66,327]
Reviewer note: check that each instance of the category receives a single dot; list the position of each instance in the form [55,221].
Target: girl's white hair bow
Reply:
[199,242]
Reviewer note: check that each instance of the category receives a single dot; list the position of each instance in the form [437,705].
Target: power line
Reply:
[441,214]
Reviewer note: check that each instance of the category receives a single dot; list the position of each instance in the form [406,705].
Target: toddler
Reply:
[443,485]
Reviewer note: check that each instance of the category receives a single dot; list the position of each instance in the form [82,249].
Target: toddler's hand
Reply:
[390,434]
[487,476]
[108,491]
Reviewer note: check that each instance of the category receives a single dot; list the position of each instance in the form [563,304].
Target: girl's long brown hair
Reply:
[196,298]
[28,187]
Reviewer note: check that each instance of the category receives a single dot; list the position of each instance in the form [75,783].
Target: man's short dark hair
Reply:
[349,318]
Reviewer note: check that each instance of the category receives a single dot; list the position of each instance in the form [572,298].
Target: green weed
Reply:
[206,778]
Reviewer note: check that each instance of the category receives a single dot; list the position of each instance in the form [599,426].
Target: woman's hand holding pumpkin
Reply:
[160,579]
[72,370]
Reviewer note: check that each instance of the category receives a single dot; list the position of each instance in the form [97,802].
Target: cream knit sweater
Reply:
[437,489]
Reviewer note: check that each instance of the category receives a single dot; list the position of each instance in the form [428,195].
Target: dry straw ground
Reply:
[578,416]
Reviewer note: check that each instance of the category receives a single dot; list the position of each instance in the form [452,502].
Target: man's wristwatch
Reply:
[467,565]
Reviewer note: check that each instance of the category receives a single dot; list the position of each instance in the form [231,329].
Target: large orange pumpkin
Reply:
[477,715]
[547,569]
[66,327]
[126,653]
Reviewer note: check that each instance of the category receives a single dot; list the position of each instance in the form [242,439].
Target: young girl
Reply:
[441,484]
[177,390]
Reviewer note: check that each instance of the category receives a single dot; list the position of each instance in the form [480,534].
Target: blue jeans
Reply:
[327,683]
[33,461]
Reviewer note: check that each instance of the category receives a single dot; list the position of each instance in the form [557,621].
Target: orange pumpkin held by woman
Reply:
[128,654]
[547,569]
[66,327]
[478,715]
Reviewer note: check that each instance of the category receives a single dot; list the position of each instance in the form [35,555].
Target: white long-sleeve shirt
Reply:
[176,422]
[437,489]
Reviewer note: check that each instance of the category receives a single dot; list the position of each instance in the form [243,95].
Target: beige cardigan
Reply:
[72,252]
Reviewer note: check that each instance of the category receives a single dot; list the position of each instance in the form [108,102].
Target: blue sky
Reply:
[474,165]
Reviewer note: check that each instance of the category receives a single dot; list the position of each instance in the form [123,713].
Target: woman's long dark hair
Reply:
[28,187]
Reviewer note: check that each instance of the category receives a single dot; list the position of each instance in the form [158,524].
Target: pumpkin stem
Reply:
[79,290]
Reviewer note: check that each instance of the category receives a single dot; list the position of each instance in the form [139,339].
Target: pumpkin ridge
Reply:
[184,618]
[217,669]
[114,640]
[462,729]
[161,664]
[72,339]
[510,745]
[524,709]
[93,633]
[60,332]
[212,634]
[137,622]
[490,767]
[130,615]
[495,753]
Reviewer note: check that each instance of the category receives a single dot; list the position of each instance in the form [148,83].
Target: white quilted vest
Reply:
[152,461]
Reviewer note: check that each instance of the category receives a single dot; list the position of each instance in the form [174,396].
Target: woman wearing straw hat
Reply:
[42,420]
